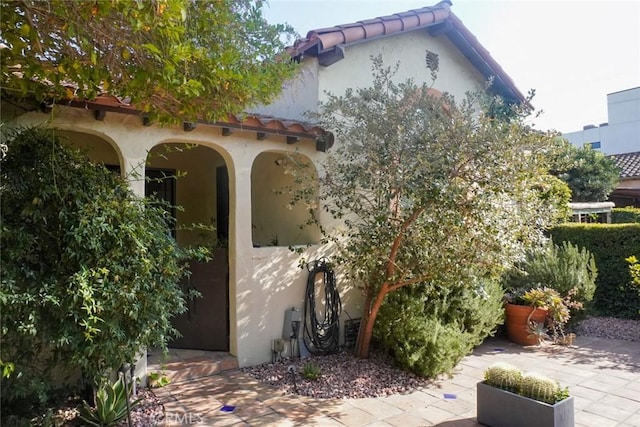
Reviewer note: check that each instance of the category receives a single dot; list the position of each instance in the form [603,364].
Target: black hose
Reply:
[322,336]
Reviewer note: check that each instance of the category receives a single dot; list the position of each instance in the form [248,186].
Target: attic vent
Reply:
[432,60]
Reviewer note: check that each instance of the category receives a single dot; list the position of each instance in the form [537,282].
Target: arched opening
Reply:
[274,221]
[194,179]
[97,149]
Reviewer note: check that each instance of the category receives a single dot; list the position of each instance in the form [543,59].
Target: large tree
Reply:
[175,59]
[430,191]
[590,174]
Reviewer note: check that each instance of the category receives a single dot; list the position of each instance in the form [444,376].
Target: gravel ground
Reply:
[345,377]
[609,327]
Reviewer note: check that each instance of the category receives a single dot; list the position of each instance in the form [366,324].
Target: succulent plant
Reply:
[111,405]
[535,386]
[539,387]
[504,376]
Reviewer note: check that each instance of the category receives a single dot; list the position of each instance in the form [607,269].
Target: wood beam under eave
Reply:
[146,121]
[292,139]
[261,136]
[188,126]
[99,114]
[226,131]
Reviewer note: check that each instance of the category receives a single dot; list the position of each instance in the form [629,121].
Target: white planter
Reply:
[500,408]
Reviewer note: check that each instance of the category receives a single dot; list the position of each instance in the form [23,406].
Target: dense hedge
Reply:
[625,215]
[610,244]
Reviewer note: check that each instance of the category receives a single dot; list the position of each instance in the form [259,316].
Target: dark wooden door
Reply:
[205,325]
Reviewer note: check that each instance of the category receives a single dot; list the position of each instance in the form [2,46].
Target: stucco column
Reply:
[240,253]
[133,171]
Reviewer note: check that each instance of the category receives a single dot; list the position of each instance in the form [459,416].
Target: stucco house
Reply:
[235,164]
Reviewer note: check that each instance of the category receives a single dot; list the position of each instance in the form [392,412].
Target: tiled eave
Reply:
[629,164]
[327,44]
[264,126]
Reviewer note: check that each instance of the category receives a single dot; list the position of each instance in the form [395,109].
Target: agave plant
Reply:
[111,405]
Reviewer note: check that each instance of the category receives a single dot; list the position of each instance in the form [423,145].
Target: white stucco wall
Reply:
[455,75]
[298,95]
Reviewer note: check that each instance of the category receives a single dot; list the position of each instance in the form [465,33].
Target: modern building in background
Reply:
[621,134]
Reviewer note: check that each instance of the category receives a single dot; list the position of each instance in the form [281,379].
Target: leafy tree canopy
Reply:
[590,174]
[175,59]
[429,191]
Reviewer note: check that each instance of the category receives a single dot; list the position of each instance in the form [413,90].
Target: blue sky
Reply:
[573,53]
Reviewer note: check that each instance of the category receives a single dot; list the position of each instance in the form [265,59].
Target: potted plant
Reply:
[529,315]
[567,269]
[523,317]
[509,398]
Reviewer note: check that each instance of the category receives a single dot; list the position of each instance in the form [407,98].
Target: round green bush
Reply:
[429,328]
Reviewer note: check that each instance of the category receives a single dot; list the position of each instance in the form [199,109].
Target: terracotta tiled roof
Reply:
[327,43]
[260,124]
[629,163]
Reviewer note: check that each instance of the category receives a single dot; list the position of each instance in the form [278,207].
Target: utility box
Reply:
[292,323]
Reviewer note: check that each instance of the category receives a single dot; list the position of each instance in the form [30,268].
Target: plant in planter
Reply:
[558,312]
[545,310]
[523,317]
[507,397]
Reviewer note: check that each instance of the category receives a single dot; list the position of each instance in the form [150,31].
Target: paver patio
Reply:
[602,375]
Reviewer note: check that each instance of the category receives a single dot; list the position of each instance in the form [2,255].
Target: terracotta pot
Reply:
[516,322]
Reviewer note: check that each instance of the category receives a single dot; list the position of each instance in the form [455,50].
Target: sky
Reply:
[573,53]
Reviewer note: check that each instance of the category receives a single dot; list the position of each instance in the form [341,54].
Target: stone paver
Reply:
[602,375]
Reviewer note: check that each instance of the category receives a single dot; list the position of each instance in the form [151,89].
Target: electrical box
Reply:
[292,323]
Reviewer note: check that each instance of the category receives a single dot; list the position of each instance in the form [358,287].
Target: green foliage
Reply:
[558,307]
[590,174]
[111,405]
[311,371]
[539,387]
[625,215]
[610,245]
[431,191]
[90,274]
[561,267]
[175,59]
[634,271]
[157,379]
[429,329]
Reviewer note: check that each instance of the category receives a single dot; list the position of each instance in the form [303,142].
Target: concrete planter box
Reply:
[500,408]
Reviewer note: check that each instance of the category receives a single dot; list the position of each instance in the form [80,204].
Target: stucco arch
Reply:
[274,220]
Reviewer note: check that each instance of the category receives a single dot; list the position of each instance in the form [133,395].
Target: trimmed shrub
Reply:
[610,244]
[561,267]
[428,329]
[625,215]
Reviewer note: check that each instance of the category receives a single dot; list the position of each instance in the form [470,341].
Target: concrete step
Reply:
[183,365]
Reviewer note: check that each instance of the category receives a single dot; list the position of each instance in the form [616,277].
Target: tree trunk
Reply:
[369,319]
